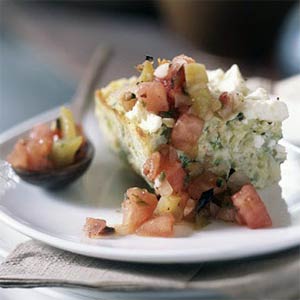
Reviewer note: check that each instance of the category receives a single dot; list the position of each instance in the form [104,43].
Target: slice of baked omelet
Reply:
[211,118]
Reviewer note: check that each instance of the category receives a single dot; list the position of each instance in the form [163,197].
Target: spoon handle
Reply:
[89,80]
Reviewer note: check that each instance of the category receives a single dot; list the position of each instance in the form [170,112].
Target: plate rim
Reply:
[147,256]
[100,251]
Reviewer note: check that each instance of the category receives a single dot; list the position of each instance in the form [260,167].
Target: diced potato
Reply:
[64,150]
[170,204]
[147,72]
[67,123]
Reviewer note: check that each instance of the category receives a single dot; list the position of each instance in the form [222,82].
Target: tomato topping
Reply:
[33,154]
[226,214]
[152,166]
[166,160]
[186,132]
[202,183]
[138,207]
[94,227]
[161,226]
[18,157]
[251,209]
[154,95]
[179,61]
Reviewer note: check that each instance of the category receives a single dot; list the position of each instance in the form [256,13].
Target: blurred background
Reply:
[45,45]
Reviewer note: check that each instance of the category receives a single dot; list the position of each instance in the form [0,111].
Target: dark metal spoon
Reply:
[61,177]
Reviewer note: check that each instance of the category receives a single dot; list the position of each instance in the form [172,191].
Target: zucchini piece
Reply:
[196,86]
[147,72]
[64,150]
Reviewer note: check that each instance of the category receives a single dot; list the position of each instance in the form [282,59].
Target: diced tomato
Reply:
[175,79]
[250,208]
[171,165]
[39,147]
[227,105]
[179,61]
[202,183]
[18,157]
[33,154]
[152,165]
[94,227]
[161,226]
[154,95]
[175,174]
[166,160]
[137,208]
[226,214]
[186,132]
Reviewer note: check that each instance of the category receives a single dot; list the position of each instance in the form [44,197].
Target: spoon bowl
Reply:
[59,178]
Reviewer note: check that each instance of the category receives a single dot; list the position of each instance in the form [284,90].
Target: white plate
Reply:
[57,218]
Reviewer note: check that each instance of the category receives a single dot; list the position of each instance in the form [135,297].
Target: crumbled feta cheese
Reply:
[280,149]
[258,94]
[231,81]
[147,121]
[162,70]
[268,110]
[281,153]
[152,123]
[137,112]
[258,141]
[271,144]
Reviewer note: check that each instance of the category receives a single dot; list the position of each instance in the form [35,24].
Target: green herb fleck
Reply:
[216,144]
[184,160]
[217,161]
[219,182]
[240,116]
[166,132]
[168,114]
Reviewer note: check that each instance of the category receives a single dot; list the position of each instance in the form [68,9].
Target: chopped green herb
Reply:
[217,161]
[219,182]
[216,144]
[166,132]
[240,116]
[168,114]
[184,160]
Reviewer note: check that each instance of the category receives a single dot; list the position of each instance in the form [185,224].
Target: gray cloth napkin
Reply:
[33,264]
